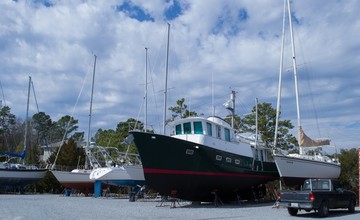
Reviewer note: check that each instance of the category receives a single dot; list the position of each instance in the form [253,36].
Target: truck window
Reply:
[306,185]
[325,185]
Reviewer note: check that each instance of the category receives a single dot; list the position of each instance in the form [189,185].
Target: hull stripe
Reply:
[185,172]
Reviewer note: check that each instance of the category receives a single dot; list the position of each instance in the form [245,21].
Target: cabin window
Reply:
[187,128]
[198,127]
[227,134]
[218,157]
[237,161]
[218,129]
[228,159]
[209,128]
[189,151]
[178,129]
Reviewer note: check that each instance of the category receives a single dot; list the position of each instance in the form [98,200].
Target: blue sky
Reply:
[214,46]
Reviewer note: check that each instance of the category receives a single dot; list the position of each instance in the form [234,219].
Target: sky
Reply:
[215,47]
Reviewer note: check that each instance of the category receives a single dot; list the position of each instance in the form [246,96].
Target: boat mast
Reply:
[280,77]
[295,72]
[27,117]
[256,123]
[91,101]
[166,78]
[146,70]
[89,155]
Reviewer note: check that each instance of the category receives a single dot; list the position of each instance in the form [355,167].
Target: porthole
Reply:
[218,157]
[228,159]
[189,151]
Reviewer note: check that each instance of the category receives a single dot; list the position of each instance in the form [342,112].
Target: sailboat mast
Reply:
[294,66]
[27,116]
[146,70]
[280,77]
[256,122]
[166,77]
[91,100]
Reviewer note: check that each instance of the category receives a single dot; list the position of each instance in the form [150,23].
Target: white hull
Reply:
[73,177]
[294,169]
[122,175]
[10,178]
[76,179]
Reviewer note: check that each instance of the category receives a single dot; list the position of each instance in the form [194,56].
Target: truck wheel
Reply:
[292,211]
[351,207]
[323,209]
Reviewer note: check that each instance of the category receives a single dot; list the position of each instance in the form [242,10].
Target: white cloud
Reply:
[55,45]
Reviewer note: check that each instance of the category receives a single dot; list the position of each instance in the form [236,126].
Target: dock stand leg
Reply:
[217,200]
[97,188]
[174,200]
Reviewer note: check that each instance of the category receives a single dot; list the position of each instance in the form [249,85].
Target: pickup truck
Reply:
[319,195]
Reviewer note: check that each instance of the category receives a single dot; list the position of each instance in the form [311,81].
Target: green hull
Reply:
[191,171]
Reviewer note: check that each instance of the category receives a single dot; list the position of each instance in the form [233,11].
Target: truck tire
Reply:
[351,207]
[292,211]
[323,209]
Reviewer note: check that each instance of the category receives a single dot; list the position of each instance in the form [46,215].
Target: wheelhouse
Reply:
[212,126]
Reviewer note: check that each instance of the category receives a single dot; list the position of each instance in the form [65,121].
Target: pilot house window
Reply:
[227,134]
[198,127]
[209,128]
[187,128]
[178,129]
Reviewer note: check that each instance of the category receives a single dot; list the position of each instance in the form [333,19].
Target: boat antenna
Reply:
[231,107]
[212,94]
[280,77]
[166,77]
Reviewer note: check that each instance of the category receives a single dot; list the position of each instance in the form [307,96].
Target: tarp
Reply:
[306,141]
[21,155]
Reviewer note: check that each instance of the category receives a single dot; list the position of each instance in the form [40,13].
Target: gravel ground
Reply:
[52,207]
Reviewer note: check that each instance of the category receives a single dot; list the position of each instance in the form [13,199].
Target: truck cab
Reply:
[319,195]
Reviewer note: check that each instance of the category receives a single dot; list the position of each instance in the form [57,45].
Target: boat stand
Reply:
[174,202]
[217,199]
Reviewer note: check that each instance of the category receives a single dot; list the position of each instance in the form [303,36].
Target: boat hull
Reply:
[19,178]
[190,171]
[127,175]
[75,180]
[293,170]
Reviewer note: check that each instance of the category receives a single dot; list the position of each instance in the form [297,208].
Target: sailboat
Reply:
[204,159]
[78,179]
[295,168]
[15,176]
[128,171]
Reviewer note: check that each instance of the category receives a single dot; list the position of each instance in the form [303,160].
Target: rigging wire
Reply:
[38,111]
[71,116]
[307,76]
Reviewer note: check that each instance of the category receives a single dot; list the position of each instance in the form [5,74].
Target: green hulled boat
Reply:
[204,159]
